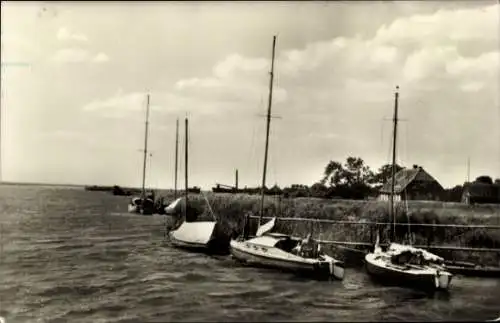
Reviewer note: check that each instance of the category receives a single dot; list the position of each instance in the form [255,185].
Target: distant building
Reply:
[412,184]
[481,191]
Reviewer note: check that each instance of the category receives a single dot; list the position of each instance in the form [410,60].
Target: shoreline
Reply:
[230,209]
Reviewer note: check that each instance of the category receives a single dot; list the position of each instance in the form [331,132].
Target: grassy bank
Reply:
[231,208]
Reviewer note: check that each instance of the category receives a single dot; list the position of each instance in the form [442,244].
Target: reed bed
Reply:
[230,210]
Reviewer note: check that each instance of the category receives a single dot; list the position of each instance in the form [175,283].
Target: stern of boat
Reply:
[443,279]
[132,208]
[335,268]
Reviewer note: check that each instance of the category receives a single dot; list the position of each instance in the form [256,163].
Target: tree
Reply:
[318,190]
[356,172]
[333,173]
[484,179]
[349,180]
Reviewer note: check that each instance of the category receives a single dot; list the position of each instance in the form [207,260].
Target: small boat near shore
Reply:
[143,204]
[286,253]
[401,264]
[277,250]
[192,235]
[408,266]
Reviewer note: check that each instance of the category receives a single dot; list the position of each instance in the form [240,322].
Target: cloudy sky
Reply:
[75,78]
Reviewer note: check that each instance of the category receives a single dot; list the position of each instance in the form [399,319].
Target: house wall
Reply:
[385,197]
[424,191]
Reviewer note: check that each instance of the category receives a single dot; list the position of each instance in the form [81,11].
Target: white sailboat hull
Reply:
[421,277]
[272,257]
[198,237]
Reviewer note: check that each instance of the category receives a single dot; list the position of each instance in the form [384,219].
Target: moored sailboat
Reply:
[144,204]
[199,236]
[403,264]
[282,251]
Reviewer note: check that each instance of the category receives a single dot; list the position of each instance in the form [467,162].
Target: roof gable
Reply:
[406,176]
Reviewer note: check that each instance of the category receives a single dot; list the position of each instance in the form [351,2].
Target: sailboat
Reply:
[198,236]
[161,207]
[402,264]
[144,204]
[277,250]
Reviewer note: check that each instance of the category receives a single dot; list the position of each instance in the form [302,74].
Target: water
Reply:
[74,256]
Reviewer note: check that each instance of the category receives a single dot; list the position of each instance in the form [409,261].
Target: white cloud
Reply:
[345,86]
[78,55]
[420,53]
[101,58]
[442,28]
[471,86]
[126,102]
[65,34]
[71,55]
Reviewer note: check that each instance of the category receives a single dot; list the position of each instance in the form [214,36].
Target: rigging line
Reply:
[209,207]
[252,143]
[382,134]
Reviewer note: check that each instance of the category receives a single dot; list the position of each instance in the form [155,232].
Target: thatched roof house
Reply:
[412,184]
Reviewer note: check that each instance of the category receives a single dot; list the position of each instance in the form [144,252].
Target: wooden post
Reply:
[432,231]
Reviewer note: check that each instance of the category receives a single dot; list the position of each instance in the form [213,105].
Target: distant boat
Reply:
[402,264]
[144,205]
[281,251]
[198,236]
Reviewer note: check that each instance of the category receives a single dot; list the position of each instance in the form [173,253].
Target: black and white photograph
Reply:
[250,161]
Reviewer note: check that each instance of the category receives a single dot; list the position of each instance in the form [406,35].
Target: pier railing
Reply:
[373,224]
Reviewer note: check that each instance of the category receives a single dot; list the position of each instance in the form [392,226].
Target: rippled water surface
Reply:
[68,255]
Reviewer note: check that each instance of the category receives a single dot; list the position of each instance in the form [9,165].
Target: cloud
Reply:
[126,102]
[65,34]
[100,58]
[418,52]
[448,72]
[71,55]
[122,104]
[78,55]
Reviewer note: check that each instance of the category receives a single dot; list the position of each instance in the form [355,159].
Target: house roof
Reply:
[406,176]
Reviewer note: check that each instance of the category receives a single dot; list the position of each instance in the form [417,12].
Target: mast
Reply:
[186,167]
[392,215]
[236,181]
[269,103]
[468,169]
[143,192]
[176,154]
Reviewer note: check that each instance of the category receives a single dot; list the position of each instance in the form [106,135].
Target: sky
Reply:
[75,78]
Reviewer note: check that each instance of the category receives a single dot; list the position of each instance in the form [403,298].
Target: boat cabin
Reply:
[406,255]
[307,248]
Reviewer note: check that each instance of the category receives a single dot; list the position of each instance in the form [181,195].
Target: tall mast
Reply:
[176,154]
[143,193]
[392,215]
[186,168]
[1,178]
[236,181]
[269,103]
[468,169]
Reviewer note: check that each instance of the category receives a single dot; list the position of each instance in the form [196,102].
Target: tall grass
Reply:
[230,210]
